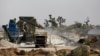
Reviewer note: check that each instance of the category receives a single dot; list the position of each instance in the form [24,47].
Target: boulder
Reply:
[82,50]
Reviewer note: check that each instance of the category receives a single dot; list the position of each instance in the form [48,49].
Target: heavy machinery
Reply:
[40,39]
[26,27]
[11,31]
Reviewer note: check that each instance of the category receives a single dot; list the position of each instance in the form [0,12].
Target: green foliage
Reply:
[87,21]
[80,28]
[61,20]
[46,23]
[78,24]
[53,23]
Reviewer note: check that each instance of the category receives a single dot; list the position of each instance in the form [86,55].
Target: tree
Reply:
[50,16]
[87,21]
[61,20]
[52,21]
[46,23]
[78,24]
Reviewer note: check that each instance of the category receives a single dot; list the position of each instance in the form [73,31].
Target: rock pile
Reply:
[39,52]
[83,50]
[80,51]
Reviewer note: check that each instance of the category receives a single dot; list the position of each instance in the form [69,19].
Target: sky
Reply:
[71,10]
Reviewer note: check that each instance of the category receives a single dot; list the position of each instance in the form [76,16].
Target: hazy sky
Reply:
[72,10]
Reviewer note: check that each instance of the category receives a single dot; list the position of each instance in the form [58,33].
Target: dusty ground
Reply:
[60,47]
[38,52]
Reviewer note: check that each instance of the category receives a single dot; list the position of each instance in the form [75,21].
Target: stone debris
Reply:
[80,51]
[16,52]
[83,50]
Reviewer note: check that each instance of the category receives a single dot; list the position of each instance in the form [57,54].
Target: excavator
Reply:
[24,31]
